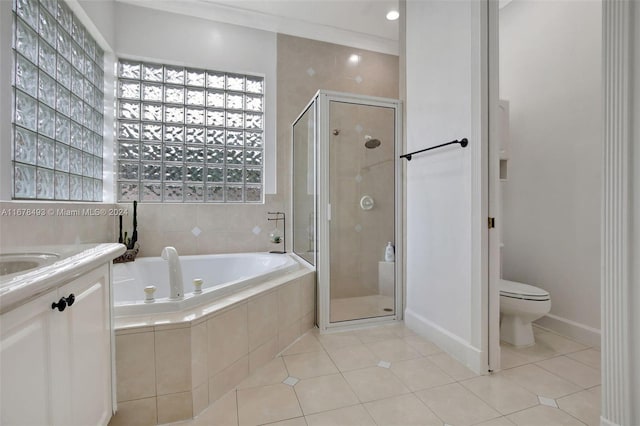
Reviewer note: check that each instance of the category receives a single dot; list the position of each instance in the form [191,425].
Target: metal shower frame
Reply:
[321,101]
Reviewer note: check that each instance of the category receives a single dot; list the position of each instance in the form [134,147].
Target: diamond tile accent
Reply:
[359,128]
[358,228]
[359,79]
[196,231]
[547,401]
[384,364]
[291,381]
[256,230]
[311,72]
[358,178]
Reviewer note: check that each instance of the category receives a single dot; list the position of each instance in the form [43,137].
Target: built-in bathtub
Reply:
[175,357]
[222,275]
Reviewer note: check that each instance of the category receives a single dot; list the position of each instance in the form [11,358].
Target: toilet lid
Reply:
[522,291]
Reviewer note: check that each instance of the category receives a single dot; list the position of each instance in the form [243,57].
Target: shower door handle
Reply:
[329,212]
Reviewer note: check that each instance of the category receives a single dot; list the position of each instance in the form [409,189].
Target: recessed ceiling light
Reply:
[392,15]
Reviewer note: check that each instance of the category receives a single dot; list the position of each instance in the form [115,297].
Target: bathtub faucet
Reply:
[176,285]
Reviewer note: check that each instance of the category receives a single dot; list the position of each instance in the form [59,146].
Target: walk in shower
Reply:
[346,205]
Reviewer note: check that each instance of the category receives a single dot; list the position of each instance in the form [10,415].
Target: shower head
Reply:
[372,143]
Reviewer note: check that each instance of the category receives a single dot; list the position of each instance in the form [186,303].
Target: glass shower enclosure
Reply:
[346,205]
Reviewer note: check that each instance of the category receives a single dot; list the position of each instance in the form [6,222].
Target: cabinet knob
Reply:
[61,305]
[71,299]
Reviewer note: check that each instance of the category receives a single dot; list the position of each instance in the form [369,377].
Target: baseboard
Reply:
[448,342]
[605,422]
[574,330]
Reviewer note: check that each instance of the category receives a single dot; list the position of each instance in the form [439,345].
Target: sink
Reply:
[12,263]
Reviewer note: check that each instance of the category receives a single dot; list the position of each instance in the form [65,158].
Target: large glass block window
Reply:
[189,135]
[58,98]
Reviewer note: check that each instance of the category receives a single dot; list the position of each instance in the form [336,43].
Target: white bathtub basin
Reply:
[222,274]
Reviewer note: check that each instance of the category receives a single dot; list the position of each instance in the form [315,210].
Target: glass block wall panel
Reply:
[58,98]
[186,134]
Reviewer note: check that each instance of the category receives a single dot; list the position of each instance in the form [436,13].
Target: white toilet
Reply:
[521,304]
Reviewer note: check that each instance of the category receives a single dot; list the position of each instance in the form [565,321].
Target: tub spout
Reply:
[176,285]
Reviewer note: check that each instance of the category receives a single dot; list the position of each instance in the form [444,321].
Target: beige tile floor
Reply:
[348,308]
[389,376]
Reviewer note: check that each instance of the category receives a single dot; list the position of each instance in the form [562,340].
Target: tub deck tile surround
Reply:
[170,367]
[202,313]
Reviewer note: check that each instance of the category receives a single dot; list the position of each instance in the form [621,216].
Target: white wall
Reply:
[165,37]
[550,72]
[443,75]
[99,18]
[635,219]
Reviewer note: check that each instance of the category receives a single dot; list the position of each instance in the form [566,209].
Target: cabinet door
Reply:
[87,325]
[26,384]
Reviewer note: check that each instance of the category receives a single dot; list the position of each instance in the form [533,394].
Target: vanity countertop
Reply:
[72,261]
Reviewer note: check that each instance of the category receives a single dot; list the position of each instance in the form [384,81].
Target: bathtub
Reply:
[222,274]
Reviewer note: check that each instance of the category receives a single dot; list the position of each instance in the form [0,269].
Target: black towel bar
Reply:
[463,142]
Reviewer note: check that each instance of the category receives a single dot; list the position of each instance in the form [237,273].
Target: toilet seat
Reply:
[516,290]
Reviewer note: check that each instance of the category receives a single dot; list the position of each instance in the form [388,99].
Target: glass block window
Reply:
[189,135]
[58,98]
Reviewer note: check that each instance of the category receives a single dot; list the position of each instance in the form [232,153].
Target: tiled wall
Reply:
[172,372]
[204,228]
[358,236]
[53,223]
[304,67]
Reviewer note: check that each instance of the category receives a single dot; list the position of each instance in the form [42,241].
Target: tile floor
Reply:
[389,376]
[348,308]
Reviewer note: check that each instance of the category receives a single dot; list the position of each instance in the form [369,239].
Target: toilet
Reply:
[520,305]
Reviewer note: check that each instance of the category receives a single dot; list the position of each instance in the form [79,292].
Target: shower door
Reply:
[359,185]
[346,205]
[303,188]
[361,194]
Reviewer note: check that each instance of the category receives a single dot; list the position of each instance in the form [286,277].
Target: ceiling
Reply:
[356,23]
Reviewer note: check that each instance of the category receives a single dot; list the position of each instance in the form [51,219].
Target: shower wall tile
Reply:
[363,234]
[376,75]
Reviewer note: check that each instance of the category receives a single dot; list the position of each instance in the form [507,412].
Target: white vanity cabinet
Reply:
[55,366]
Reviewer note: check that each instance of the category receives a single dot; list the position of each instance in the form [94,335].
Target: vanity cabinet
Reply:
[55,365]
